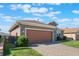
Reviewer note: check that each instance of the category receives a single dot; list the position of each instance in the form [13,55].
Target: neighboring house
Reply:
[72,33]
[59,32]
[36,31]
[4,35]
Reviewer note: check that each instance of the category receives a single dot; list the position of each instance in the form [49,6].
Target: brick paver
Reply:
[56,50]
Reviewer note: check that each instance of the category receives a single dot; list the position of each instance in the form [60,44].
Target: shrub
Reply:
[22,41]
[7,48]
[1,39]
[64,38]
[58,38]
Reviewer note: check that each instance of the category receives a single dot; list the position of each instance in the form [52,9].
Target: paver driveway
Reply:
[56,50]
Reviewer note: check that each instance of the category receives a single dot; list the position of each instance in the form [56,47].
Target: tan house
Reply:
[36,31]
[72,33]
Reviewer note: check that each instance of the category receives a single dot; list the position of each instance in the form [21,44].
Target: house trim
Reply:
[39,29]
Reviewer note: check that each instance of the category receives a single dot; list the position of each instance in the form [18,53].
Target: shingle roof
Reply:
[70,30]
[32,23]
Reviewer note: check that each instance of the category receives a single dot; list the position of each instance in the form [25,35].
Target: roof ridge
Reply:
[32,21]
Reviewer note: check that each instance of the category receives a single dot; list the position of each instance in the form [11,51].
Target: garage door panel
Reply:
[37,36]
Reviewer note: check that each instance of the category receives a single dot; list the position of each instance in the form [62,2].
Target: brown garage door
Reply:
[37,36]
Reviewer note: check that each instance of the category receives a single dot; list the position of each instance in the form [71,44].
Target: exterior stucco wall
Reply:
[23,28]
[71,36]
[15,32]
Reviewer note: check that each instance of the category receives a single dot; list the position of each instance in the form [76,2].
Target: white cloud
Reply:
[1,6]
[67,22]
[37,14]
[17,17]
[6,17]
[55,12]
[50,8]
[13,7]
[34,18]
[1,14]
[55,3]
[42,11]
[36,10]
[76,11]
[10,18]
[64,20]
[54,18]
[39,10]
[4,28]
[29,9]
[16,6]
[76,20]
[26,6]
[49,14]
[38,4]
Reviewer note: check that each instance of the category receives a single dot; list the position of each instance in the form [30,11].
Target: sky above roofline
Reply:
[65,14]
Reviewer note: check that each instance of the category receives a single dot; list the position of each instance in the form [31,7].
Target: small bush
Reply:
[64,38]
[7,48]
[22,41]
[59,38]
[1,39]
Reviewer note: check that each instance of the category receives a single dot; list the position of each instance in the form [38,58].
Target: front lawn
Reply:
[23,51]
[72,43]
[19,51]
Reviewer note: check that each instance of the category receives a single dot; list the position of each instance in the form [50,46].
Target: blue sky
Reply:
[65,14]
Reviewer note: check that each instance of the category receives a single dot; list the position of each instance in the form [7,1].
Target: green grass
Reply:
[9,50]
[72,43]
[23,51]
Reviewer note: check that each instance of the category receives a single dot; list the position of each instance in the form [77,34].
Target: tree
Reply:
[53,23]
